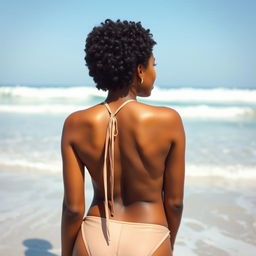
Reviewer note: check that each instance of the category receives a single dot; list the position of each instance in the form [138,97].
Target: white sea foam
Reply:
[53,166]
[236,171]
[216,103]
[209,112]
[200,111]
[41,109]
[214,95]
[49,93]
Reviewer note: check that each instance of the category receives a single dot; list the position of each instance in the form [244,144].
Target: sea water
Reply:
[220,125]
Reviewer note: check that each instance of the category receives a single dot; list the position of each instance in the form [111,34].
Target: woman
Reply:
[134,153]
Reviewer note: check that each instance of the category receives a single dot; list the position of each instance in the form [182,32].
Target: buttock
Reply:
[126,238]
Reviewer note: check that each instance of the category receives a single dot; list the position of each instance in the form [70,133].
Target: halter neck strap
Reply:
[112,131]
[122,105]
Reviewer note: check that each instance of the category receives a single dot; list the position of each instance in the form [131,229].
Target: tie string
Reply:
[112,132]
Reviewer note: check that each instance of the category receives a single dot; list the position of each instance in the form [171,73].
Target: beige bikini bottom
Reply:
[127,238]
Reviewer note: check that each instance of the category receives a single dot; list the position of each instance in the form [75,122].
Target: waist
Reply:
[139,212]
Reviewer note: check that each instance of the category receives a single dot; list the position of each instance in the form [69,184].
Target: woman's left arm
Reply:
[73,179]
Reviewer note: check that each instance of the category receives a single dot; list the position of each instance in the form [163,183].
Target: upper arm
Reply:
[174,174]
[73,169]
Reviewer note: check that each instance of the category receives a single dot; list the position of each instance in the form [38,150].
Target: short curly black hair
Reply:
[114,50]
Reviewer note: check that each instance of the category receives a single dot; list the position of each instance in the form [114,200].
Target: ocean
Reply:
[220,126]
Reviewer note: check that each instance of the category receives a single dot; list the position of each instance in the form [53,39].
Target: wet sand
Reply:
[218,220]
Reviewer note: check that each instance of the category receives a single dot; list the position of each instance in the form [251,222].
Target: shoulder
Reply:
[84,115]
[175,124]
[81,120]
[161,113]
[172,116]
[172,121]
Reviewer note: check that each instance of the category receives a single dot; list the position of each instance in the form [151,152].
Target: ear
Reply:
[140,70]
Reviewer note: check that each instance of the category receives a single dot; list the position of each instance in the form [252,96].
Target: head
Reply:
[119,54]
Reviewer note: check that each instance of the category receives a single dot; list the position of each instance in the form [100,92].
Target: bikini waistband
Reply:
[127,222]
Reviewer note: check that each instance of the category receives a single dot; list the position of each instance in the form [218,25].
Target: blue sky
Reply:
[199,43]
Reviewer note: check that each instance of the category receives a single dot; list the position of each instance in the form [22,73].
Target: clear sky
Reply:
[199,42]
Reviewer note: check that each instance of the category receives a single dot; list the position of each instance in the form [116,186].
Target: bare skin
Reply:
[149,164]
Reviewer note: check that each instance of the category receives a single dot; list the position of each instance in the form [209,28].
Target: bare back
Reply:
[144,141]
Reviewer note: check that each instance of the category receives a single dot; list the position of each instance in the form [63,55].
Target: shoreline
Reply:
[218,216]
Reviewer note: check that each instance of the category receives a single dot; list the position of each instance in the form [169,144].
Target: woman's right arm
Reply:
[73,179]
[174,176]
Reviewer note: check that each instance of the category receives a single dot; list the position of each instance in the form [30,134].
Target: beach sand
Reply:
[218,220]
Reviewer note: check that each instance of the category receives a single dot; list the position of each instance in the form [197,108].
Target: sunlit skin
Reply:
[149,163]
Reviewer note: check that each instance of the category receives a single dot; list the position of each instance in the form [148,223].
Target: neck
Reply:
[121,94]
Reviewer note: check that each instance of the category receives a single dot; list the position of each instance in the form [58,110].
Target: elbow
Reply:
[174,204]
[178,206]
[75,211]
